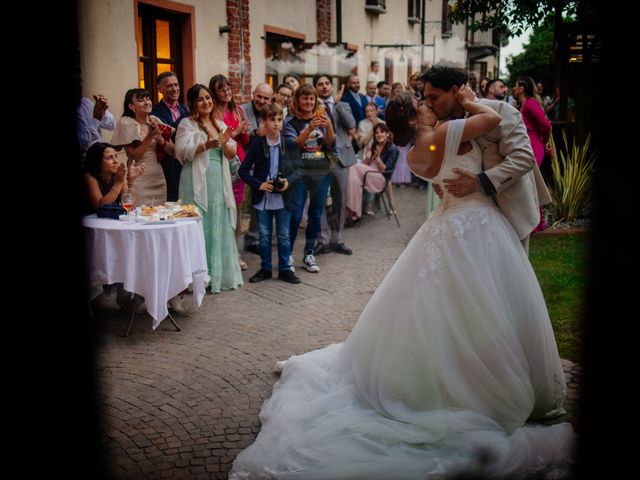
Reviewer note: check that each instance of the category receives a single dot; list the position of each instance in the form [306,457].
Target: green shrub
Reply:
[573,170]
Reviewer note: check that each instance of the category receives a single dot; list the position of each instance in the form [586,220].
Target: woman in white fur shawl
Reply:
[204,146]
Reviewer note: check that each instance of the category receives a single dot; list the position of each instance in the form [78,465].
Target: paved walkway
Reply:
[181,405]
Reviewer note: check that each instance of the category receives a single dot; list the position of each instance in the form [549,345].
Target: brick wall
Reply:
[239,57]
[323,20]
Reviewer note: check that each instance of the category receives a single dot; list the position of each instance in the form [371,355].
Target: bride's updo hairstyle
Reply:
[401,117]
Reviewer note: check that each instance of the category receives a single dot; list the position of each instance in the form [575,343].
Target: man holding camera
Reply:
[276,165]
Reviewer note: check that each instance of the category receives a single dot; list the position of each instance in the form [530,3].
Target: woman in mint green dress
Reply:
[203,145]
[433,200]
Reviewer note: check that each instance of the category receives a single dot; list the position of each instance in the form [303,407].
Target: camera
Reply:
[278,182]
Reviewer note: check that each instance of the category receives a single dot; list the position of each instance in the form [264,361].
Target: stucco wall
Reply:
[211,48]
[108,56]
[298,16]
[108,48]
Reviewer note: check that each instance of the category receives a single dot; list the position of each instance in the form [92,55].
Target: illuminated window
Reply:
[158,46]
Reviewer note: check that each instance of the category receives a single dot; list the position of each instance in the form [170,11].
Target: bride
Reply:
[444,385]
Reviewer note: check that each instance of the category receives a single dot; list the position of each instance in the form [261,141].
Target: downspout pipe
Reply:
[339,21]
[239,4]
[422,32]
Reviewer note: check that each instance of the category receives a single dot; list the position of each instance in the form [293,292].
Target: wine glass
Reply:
[127,203]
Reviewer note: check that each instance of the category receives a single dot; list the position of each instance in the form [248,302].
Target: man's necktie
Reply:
[329,109]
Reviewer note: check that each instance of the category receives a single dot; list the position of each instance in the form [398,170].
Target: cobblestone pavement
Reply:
[181,405]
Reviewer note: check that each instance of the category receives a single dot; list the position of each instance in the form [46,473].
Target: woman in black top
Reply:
[105,177]
[310,127]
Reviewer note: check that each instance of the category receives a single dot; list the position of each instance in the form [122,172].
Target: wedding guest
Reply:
[170,111]
[140,133]
[292,80]
[546,99]
[396,89]
[384,92]
[372,97]
[472,80]
[105,177]
[374,74]
[495,89]
[226,110]
[364,135]
[333,218]
[538,126]
[379,157]
[415,85]
[370,89]
[552,108]
[91,118]
[204,145]
[312,131]
[483,87]
[402,174]
[354,98]
[271,166]
[283,96]
[262,95]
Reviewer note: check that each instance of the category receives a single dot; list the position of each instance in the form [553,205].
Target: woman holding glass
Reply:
[107,181]
[204,146]
[105,177]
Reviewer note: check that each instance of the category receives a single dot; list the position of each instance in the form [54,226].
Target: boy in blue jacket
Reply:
[271,166]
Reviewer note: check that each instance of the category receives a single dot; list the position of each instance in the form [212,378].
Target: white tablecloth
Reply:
[154,261]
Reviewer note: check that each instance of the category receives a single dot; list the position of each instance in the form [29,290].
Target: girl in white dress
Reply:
[451,356]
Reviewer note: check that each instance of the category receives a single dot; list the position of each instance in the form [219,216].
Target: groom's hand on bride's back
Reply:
[466,183]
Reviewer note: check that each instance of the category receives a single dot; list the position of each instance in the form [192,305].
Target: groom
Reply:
[510,174]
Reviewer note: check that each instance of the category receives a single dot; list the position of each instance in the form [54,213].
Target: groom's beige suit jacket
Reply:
[508,161]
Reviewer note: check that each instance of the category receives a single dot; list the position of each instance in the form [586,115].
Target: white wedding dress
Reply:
[451,356]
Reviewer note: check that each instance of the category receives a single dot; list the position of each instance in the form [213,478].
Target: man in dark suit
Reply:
[330,237]
[356,100]
[170,111]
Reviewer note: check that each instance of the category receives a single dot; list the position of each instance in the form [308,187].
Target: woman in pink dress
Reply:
[538,126]
[226,110]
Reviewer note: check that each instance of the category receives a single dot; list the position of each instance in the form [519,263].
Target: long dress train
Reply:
[451,356]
